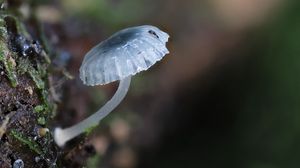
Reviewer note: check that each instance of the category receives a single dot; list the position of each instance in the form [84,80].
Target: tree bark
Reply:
[26,106]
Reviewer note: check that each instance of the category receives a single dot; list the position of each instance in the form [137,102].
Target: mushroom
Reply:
[121,56]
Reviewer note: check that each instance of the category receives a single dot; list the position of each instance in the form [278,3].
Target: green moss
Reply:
[42,70]
[90,129]
[43,113]
[16,65]
[26,141]
[37,77]
[10,67]
[34,74]
[23,65]
[48,108]
[9,64]
[6,56]
[39,108]
[41,120]
[3,30]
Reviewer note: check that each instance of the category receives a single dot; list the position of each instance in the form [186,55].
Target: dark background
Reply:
[227,95]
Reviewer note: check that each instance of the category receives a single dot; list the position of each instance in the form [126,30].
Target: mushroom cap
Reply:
[125,53]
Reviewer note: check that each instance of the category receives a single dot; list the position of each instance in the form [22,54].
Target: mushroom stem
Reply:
[61,136]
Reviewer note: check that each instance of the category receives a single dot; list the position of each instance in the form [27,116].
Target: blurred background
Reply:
[227,95]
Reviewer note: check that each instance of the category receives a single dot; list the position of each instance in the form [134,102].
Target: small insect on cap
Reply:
[125,53]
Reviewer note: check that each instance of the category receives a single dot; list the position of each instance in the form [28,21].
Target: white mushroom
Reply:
[121,56]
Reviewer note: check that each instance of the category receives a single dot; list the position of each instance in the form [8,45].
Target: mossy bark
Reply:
[25,105]
[28,100]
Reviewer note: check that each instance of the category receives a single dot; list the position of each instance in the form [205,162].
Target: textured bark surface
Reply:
[28,96]
[25,105]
